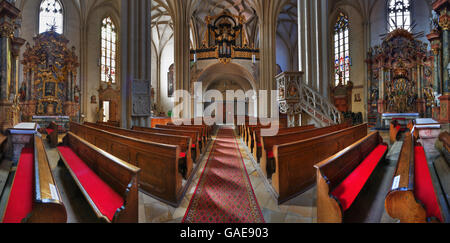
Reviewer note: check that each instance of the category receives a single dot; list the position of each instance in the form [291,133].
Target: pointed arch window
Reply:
[108,50]
[342,50]
[51,16]
[399,14]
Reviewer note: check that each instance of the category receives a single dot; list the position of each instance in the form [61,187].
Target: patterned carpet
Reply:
[224,193]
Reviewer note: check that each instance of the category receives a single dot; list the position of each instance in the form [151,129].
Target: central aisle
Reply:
[224,193]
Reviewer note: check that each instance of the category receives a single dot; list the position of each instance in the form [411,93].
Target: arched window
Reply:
[342,50]
[399,14]
[109,50]
[51,16]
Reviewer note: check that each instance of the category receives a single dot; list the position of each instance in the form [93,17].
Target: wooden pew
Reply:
[202,140]
[267,159]
[207,130]
[393,131]
[186,164]
[159,176]
[341,177]
[445,139]
[34,196]
[110,123]
[108,183]
[250,136]
[294,162]
[55,133]
[195,147]
[412,197]
[3,140]
[256,145]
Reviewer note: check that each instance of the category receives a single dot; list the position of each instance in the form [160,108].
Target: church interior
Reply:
[104,108]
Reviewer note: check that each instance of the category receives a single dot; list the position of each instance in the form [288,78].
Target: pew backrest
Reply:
[335,169]
[158,162]
[294,162]
[120,175]
[267,142]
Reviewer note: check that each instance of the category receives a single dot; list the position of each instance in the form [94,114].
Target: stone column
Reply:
[181,13]
[135,56]
[268,11]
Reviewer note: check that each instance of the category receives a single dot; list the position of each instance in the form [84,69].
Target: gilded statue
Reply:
[429,96]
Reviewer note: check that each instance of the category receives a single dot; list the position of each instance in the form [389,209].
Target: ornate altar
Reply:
[400,73]
[50,70]
[225,39]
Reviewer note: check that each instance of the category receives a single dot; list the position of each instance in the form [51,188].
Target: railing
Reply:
[305,99]
[319,107]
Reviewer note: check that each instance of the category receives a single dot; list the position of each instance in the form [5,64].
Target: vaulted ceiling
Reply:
[84,7]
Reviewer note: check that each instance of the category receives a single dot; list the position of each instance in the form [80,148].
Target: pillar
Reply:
[442,7]
[135,41]
[8,15]
[268,11]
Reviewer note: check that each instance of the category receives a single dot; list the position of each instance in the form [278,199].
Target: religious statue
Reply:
[23,91]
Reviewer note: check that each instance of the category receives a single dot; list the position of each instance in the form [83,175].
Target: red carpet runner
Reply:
[224,193]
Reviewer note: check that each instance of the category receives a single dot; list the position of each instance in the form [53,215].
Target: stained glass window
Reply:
[51,16]
[399,14]
[342,50]
[109,50]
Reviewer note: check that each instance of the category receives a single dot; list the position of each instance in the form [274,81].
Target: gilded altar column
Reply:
[442,7]
[435,39]
[8,15]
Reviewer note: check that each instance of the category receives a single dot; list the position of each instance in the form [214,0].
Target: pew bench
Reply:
[201,139]
[394,130]
[55,133]
[3,139]
[294,162]
[412,197]
[257,144]
[34,196]
[186,162]
[159,177]
[267,159]
[195,146]
[341,177]
[110,123]
[444,138]
[108,183]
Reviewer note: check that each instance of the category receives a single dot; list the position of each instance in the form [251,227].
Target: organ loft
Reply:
[224,111]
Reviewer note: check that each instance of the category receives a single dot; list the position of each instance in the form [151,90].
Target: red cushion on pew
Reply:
[20,202]
[423,185]
[49,131]
[182,155]
[103,196]
[270,155]
[349,189]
